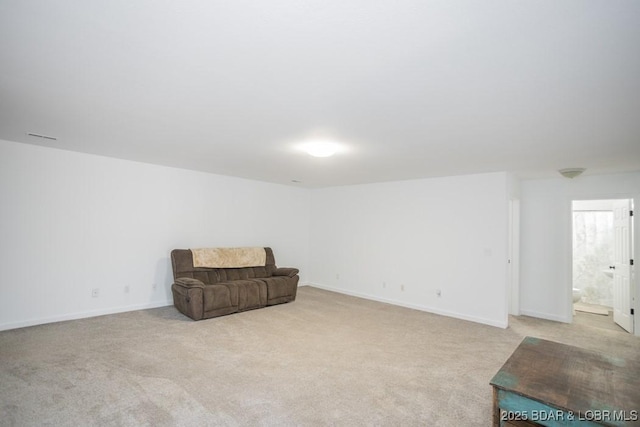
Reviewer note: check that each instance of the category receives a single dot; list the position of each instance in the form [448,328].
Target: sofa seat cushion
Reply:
[220,296]
[279,289]
[251,293]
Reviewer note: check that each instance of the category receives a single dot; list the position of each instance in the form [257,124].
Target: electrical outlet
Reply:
[154,286]
[384,284]
[95,292]
[438,293]
[126,289]
[402,287]
[337,276]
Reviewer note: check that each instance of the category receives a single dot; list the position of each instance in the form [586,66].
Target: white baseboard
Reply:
[546,316]
[455,315]
[83,315]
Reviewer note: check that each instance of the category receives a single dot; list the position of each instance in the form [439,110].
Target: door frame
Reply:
[635,235]
[513,269]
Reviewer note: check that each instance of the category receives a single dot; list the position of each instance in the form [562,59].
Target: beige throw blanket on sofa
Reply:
[229,257]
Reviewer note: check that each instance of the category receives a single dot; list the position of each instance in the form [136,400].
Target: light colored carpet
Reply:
[325,359]
[591,308]
[596,321]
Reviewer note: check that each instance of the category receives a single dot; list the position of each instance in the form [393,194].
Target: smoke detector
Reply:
[571,172]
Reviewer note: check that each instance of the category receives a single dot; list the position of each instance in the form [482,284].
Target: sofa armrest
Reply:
[290,272]
[188,297]
[188,282]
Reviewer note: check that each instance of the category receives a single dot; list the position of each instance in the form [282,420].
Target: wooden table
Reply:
[554,384]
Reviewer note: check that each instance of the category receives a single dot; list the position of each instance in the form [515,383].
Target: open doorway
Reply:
[602,260]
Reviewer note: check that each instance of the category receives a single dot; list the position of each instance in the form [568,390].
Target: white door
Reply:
[622,264]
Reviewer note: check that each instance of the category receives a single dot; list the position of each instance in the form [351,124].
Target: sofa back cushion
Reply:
[182,263]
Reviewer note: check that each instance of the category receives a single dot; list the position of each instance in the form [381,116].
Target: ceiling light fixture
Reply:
[571,172]
[321,148]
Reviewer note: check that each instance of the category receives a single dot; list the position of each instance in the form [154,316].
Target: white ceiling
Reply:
[411,88]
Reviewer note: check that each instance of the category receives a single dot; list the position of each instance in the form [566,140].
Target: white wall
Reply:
[71,222]
[545,269]
[441,233]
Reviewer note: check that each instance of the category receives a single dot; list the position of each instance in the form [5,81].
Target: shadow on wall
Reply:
[163,278]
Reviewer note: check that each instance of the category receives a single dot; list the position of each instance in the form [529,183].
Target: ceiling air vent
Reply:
[37,135]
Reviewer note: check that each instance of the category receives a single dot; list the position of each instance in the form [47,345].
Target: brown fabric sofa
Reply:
[202,293]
